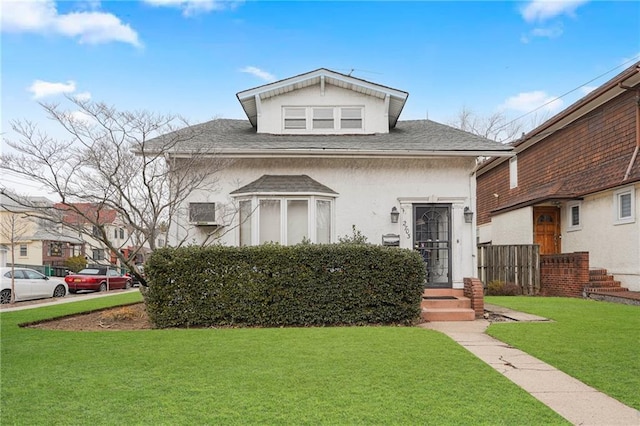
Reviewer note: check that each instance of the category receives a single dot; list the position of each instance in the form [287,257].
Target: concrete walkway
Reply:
[32,304]
[575,401]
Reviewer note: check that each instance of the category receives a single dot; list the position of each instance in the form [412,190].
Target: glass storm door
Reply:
[432,239]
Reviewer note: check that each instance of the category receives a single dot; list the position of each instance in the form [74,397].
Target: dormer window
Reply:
[323,120]
[295,118]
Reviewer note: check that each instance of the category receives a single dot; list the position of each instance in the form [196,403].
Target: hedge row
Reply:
[272,285]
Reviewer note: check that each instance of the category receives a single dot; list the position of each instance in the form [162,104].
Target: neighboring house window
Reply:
[96,231]
[122,233]
[574,219]
[323,119]
[202,212]
[23,250]
[115,233]
[160,242]
[98,254]
[624,201]
[513,172]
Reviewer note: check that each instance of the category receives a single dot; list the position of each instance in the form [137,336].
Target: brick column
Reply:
[474,290]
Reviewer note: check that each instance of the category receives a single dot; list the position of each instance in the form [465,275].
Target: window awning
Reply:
[284,184]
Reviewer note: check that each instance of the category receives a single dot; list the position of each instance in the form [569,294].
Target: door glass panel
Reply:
[433,241]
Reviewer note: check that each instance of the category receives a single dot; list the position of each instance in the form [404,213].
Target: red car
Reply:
[97,279]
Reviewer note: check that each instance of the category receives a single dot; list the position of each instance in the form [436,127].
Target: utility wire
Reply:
[569,92]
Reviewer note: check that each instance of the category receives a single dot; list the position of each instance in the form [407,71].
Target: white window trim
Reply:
[617,220]
[513,172]
[337,120]
[570,206]
[311,212]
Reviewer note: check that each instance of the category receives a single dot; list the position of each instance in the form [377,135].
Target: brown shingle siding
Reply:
[589,155]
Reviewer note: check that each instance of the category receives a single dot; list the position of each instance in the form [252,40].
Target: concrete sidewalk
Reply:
[32,304]
[575,401]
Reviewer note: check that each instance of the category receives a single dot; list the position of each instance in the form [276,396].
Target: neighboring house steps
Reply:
[446,305]
[603,286]
[601,281]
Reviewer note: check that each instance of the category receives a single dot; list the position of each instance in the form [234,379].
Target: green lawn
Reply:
[359,375]
[595,342]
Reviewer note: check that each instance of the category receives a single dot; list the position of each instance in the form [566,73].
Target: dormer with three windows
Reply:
[322,102]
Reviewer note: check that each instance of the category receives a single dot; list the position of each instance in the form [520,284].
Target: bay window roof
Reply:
[284,184]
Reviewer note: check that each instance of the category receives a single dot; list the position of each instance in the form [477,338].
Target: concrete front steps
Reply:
[446,304]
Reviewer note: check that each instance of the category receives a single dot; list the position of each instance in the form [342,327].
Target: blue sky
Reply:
[192,57]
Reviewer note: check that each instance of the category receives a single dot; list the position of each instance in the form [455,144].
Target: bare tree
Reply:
[495,126]
[105,163]
[14,227]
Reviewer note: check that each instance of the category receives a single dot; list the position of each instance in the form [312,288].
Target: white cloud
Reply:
[258,73]
[194,7]
[41,89]
[551,32]
[82,96]
[530,101]
[543,10]
[42,17]
[81,117]
[585,90]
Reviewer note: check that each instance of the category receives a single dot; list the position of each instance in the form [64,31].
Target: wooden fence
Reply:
[517,264]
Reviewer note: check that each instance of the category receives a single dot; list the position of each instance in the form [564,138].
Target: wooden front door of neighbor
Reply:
[546,229]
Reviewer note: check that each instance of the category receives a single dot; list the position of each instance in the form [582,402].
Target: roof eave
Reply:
[345,153]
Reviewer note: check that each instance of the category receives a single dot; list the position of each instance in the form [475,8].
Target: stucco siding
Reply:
[367,190]
[514,227]
[270,113]
[615,247]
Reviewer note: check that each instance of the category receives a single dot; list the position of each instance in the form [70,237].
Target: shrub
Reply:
[357,237]
[501,288]
[75,263]
[272,285]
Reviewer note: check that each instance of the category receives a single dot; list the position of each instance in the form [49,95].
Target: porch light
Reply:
[468,215]
[394,215]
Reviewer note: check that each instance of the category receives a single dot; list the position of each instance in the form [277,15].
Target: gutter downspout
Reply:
[635,151]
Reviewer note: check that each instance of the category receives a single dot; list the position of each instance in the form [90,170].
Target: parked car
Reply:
[97,279]
[134,280]
[30,284]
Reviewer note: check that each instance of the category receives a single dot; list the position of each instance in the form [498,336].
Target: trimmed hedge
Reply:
[273,286]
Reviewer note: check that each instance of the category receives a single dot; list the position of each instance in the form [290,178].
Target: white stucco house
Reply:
[323,152]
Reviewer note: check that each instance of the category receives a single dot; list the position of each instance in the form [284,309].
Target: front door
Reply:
[546,225]
[432,238]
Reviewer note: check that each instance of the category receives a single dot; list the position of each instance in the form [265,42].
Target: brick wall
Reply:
[474,290]
[564,275]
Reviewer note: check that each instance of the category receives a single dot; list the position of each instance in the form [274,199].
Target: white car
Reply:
[30,284]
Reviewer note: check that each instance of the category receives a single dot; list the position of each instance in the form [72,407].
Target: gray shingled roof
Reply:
[284,183]
[227,136]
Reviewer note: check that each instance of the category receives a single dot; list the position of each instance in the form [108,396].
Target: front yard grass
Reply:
[334,375]
[598,343]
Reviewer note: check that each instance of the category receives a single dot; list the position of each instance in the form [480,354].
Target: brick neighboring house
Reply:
[96,251]
[574,184]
